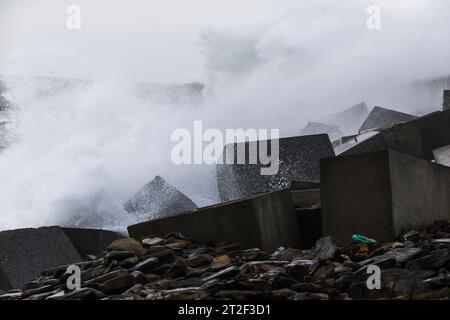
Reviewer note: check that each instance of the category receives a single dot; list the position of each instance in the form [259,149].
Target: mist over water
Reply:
[78,153]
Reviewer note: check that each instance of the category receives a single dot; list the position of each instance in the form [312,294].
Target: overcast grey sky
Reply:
[154,40]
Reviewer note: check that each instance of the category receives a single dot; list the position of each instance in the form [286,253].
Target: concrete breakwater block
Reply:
[381,118]
[265,221]
[90,241]
[405,138]
[157,199]
[24,253]
[435,131]
[382,194]
[419,137]
[299,159]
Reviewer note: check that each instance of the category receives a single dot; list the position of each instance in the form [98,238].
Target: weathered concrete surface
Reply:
[311,128]
[299,160]
[90,241]
[265,221]
[417,138]
[382,194]
[381,118]
[446,103]
[442,156]
[26,252]
[159,199]
[435,131]
[310,224]
[349,120]
[306,198]
[403,137]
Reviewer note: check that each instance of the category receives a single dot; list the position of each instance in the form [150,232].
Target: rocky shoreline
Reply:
[176,268]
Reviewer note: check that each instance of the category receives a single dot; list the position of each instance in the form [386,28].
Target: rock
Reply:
[240,295]
[139,277]
[127,244]
[441,281]
[163,254]
[176,270]
[119,255]
[199,260]
[146,265]
[298,269]
[326,249]
[221,262]
[412,236]
[435,260]
[129,262]
[92,273]
[226,273]
[281,281]
[400,256]
[117,285]
[108,276]
[307,287]
[283,294]
[80,294]
[148,242]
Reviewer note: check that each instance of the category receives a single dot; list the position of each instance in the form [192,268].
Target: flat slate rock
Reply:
[381,118]
[159,199]
[26,252]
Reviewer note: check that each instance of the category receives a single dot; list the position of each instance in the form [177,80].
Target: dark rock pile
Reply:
[174,268]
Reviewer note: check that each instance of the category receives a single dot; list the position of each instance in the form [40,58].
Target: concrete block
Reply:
[90,241]
[382,194]
[381,118]
[299,160]
[349,120]
[158,199]
[446,103]
[442,156]
[405,138]
[306,198]
[24,253]
[435,131]
[264,221]
[311,128]
[310,224]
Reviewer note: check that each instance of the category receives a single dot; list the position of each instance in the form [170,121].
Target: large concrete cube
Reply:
[418,137]
[381,118]
[24,253]
[264,221]
[90,241]
[382,194]
[404,138]
[299,160]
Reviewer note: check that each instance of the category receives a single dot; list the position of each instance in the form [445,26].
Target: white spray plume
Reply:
[81,153]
